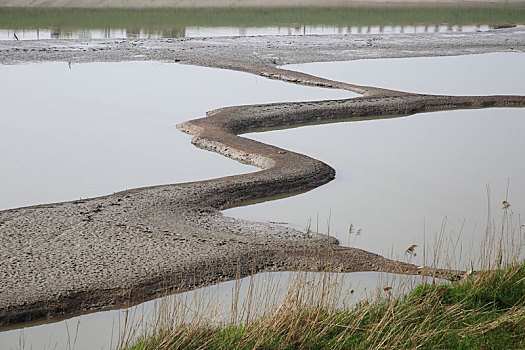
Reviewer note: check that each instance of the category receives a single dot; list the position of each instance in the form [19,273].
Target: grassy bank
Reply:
[171,18]
[486,311]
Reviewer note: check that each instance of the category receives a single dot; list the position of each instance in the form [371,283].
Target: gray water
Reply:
[400,180]
[203,32]
[103,127]
[67,135]
[99,128]
[105,330]
[36,24]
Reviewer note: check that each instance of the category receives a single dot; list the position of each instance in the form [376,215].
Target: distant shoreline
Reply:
[187,4]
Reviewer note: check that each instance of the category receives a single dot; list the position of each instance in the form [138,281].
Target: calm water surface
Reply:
[399,180]
[103,127]
[202,32]
[34,24]
[215,304]
[99,128]
[396,179]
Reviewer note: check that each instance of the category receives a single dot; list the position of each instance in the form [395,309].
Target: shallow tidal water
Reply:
[35,24]
[396,179]
[206,32]
[405,181]
[99,128]
[216,304]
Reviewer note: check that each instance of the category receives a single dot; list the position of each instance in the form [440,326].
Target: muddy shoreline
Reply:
[247,53]
[64,258]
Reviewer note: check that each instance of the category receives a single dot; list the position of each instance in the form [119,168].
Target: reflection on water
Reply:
[215,304]
[398,180]
[65,134]
[175,23]
[195,32]
[103,127]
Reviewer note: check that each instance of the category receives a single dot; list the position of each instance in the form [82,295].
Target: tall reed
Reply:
[483,309]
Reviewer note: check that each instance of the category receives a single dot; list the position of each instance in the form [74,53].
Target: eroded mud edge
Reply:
[65,258]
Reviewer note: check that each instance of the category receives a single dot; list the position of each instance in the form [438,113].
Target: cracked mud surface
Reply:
[70,257]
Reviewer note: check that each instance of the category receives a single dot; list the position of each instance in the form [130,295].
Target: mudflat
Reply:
[63,258]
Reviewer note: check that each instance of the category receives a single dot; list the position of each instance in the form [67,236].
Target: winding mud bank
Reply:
[77,256]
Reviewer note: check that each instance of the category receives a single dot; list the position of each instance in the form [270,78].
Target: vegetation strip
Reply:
[483,312]
[151,19]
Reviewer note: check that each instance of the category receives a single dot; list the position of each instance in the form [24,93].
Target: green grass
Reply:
[483,310]
[156,19]
[486,311]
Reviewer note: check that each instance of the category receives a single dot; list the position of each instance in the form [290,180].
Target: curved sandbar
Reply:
[130,246]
